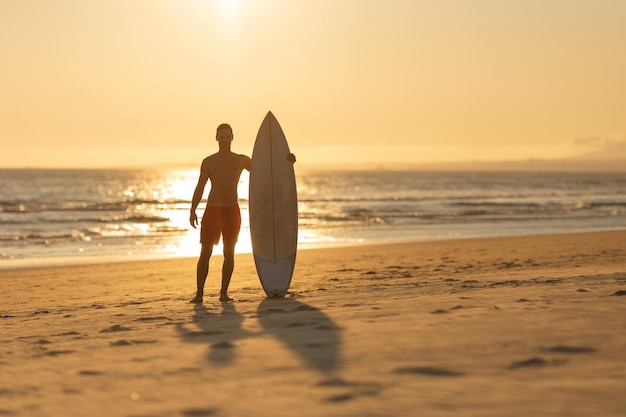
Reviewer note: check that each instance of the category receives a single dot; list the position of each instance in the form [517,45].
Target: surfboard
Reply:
[273,207]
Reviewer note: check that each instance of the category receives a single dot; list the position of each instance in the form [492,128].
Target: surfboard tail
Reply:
[275,274]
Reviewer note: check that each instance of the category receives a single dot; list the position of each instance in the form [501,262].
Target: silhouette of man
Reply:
[221,215]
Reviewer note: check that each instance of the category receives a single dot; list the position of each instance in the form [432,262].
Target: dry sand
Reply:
[521,326]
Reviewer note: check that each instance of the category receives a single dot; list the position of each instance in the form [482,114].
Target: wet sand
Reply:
[515,326]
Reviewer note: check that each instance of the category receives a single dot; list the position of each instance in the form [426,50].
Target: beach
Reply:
[496,326]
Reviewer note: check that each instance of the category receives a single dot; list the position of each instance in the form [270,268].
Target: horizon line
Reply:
[531,164]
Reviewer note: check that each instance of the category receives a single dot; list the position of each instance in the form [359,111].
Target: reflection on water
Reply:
[145,213]
[188,244]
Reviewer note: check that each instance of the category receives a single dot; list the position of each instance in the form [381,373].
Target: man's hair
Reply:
[223,126]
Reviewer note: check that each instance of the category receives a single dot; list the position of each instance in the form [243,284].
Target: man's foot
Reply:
[196,300]
[225,298]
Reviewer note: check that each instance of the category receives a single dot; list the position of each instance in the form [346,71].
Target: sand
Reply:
[517,326]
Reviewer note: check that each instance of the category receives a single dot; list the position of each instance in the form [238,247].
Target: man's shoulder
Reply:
[209,158]
[218,159]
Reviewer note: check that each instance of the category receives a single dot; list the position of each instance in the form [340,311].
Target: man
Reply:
[221,216]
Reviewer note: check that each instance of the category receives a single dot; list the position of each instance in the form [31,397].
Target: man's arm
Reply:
[291,158]
[246,162]
[197,194]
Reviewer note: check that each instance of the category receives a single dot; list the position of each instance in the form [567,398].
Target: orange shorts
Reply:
[220,221]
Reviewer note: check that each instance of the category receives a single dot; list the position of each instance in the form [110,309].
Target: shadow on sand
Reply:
[219,329]
[303,329]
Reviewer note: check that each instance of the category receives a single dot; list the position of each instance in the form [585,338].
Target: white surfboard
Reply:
[273,204]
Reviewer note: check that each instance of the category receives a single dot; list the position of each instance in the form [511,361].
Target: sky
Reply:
[100,83]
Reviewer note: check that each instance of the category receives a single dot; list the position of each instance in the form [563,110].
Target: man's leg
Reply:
[227,270]
[202,270]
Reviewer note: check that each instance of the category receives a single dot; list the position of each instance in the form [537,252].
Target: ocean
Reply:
[69,216]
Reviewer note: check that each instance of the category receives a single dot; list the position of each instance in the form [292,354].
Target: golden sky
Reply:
[138,82]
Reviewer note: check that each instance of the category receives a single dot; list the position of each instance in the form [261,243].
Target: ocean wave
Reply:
[83,206]
[143,219]
[463,198]
[115,219]
[45,237]
[473,213]
[57,211]
[85,235]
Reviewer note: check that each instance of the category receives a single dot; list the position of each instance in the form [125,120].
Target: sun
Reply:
[229,9]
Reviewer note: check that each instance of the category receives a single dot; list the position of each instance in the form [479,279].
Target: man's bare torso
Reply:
[223,169]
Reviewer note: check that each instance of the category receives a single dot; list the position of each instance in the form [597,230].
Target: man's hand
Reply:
[291,158]
[193,219]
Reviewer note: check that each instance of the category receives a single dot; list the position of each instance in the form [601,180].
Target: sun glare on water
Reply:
[180,188]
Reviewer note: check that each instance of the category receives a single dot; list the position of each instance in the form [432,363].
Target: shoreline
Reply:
[69,261]
[524,326]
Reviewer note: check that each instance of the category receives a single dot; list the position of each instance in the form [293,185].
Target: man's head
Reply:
[224,132]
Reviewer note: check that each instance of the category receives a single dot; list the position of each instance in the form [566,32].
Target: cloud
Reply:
[596,142]
[601,148]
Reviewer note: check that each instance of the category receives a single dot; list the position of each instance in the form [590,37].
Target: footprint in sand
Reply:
[156,318]
[223,345]
[508,265]
[357,389]
[201,333]
[536,362]
[427,371]
[70,333]
[199,412]
[88,372]
[116,328]
[339,398]
[339,382]
[45,352]
[130,303]
[333,382]
[55,353]
[572,349]
[123,342]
